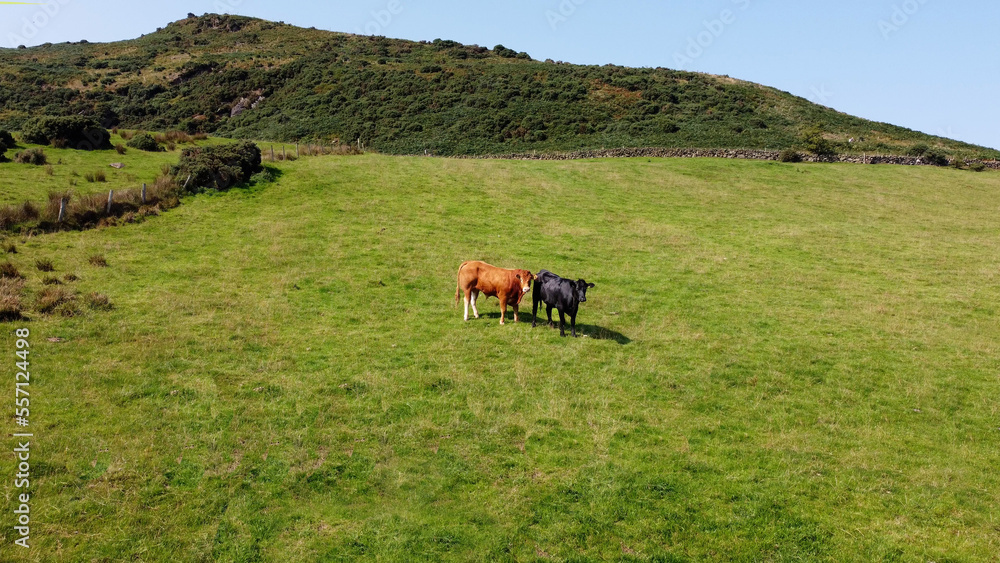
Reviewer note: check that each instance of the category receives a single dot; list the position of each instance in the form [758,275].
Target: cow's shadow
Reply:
[583,329]
[601,333]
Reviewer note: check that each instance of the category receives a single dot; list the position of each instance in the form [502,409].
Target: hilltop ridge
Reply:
[250,78]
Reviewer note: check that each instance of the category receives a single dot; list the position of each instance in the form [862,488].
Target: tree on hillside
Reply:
[817,144]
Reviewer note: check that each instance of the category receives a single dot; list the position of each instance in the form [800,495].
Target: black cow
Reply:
[565,295]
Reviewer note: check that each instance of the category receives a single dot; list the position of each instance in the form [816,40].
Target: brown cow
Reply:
[509,286]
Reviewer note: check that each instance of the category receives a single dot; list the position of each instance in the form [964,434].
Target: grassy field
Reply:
[780,363]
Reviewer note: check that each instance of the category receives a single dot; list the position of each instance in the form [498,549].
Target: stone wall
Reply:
[751,154]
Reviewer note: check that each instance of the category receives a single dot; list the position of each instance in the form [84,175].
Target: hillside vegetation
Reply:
[781,362]
[249,78]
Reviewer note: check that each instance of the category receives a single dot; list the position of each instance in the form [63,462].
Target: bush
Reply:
[75,131]
[935,157]
[3,149]
[918,149]
[218,167]
[977,167]
[98,260]
[144,142]
[44,265]
[788,155]
[817,144]
[120,148]
[31,156]
[7,139]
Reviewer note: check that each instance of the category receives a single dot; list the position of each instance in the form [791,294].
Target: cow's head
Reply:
[524,279]
[581,287]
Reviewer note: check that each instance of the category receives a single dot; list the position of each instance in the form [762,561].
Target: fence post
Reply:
[144,193]
[296,150]
[272,153]
[62,210]
[283,151]
[111,194]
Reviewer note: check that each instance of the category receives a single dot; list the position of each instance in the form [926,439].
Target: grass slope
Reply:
[407,97]
[782,362]
[67,170]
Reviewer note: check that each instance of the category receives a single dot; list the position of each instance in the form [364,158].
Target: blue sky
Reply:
[929,65]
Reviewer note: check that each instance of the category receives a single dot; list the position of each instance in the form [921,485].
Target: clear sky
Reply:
[928,65]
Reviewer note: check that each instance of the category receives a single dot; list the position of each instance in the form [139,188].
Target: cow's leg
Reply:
[549,311]
[515,312]
[475,311]
[466,301]
[534,313]
[572,322]
[562,323]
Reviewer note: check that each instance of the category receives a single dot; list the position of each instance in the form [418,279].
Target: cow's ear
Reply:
[534,277]
[590,285]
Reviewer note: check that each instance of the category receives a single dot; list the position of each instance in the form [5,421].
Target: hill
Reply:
[248,78]
[781,362]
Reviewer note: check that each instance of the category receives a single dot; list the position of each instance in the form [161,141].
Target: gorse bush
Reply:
[74,131]
[144,142]
[218,167]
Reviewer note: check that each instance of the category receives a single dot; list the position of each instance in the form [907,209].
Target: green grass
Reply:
[782,362]
[70,168]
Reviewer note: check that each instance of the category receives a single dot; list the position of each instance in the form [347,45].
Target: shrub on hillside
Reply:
[788,155]
[74,131]
[977,167]
[31,156]
[218,167]
[6,142]
[935,157]
[818,144]
[144,142]
[918,149]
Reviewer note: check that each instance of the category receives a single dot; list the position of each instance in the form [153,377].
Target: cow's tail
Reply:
[458,284]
